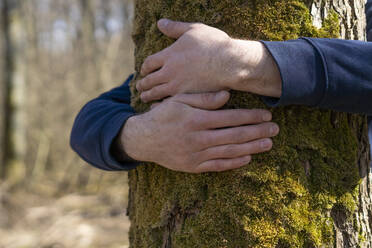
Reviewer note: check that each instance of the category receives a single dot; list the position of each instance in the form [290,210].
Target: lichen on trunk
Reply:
[312,190]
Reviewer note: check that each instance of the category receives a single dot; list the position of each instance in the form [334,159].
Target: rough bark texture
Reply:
[312,190]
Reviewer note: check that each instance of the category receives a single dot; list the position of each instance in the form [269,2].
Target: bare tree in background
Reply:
[14,80]
[67,52]
[3,79]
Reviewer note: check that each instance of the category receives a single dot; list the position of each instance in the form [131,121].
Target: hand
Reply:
[206,59]
[185,133]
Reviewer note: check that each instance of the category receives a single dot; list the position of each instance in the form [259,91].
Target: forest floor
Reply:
[30,220]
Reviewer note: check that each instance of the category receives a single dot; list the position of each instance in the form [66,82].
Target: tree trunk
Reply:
[312,190]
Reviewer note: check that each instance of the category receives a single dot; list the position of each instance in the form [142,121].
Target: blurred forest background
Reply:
[55,55]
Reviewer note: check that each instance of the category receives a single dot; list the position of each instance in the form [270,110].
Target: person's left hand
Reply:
[206,59]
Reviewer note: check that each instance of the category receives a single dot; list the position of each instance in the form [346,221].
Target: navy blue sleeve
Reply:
[98,124]
[326,73]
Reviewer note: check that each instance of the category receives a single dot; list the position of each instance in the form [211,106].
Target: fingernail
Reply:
[274,130]
[267,117]
[143,96]
[266,144]
[163,22]
[248,159]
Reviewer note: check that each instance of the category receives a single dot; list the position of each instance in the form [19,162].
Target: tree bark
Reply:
[312,190]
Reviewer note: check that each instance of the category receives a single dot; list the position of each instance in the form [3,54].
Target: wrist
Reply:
[129,139]
[257,71]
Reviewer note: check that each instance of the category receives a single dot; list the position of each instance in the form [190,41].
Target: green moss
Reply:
[283,198]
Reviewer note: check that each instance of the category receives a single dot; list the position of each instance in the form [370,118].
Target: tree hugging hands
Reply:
[206,59]
[195,74]
[188,133]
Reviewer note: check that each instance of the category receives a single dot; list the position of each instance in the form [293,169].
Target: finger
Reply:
[156,93]
[234,118]
[237,135]
[237,150]
[173,29]
[208,101]
[151,81]
[153,62]
[155,105]
[223,164]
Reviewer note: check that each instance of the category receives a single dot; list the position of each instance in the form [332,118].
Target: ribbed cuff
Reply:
[302,72]
[112,130]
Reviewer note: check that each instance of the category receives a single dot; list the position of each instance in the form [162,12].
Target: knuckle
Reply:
[165,71]
[175,98]
[228,150]
[171,88]
[144,82]
[145,64]
[161,74]
[205,141]
[192,123]
[266,131]
[261,131]
[153,92]
[196,120]
[150,59]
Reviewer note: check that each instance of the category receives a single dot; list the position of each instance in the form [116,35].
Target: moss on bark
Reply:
[289,197]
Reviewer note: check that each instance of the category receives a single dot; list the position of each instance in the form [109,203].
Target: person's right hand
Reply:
[186,133]
[206,59]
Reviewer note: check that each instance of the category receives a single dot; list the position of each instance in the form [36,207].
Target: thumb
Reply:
[207,101]
[173,29]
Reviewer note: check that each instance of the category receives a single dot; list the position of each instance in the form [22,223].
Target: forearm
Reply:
[124,147]
[258,72]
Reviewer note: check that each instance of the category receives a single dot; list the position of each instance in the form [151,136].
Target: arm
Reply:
[326,73]
[188,133]
[98,124]
[335,74]
[184,133]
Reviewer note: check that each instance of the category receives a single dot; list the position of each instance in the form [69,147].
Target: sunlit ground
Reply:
[28,220]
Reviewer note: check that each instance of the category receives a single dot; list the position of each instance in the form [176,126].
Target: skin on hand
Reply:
[206,59]
[186,133]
